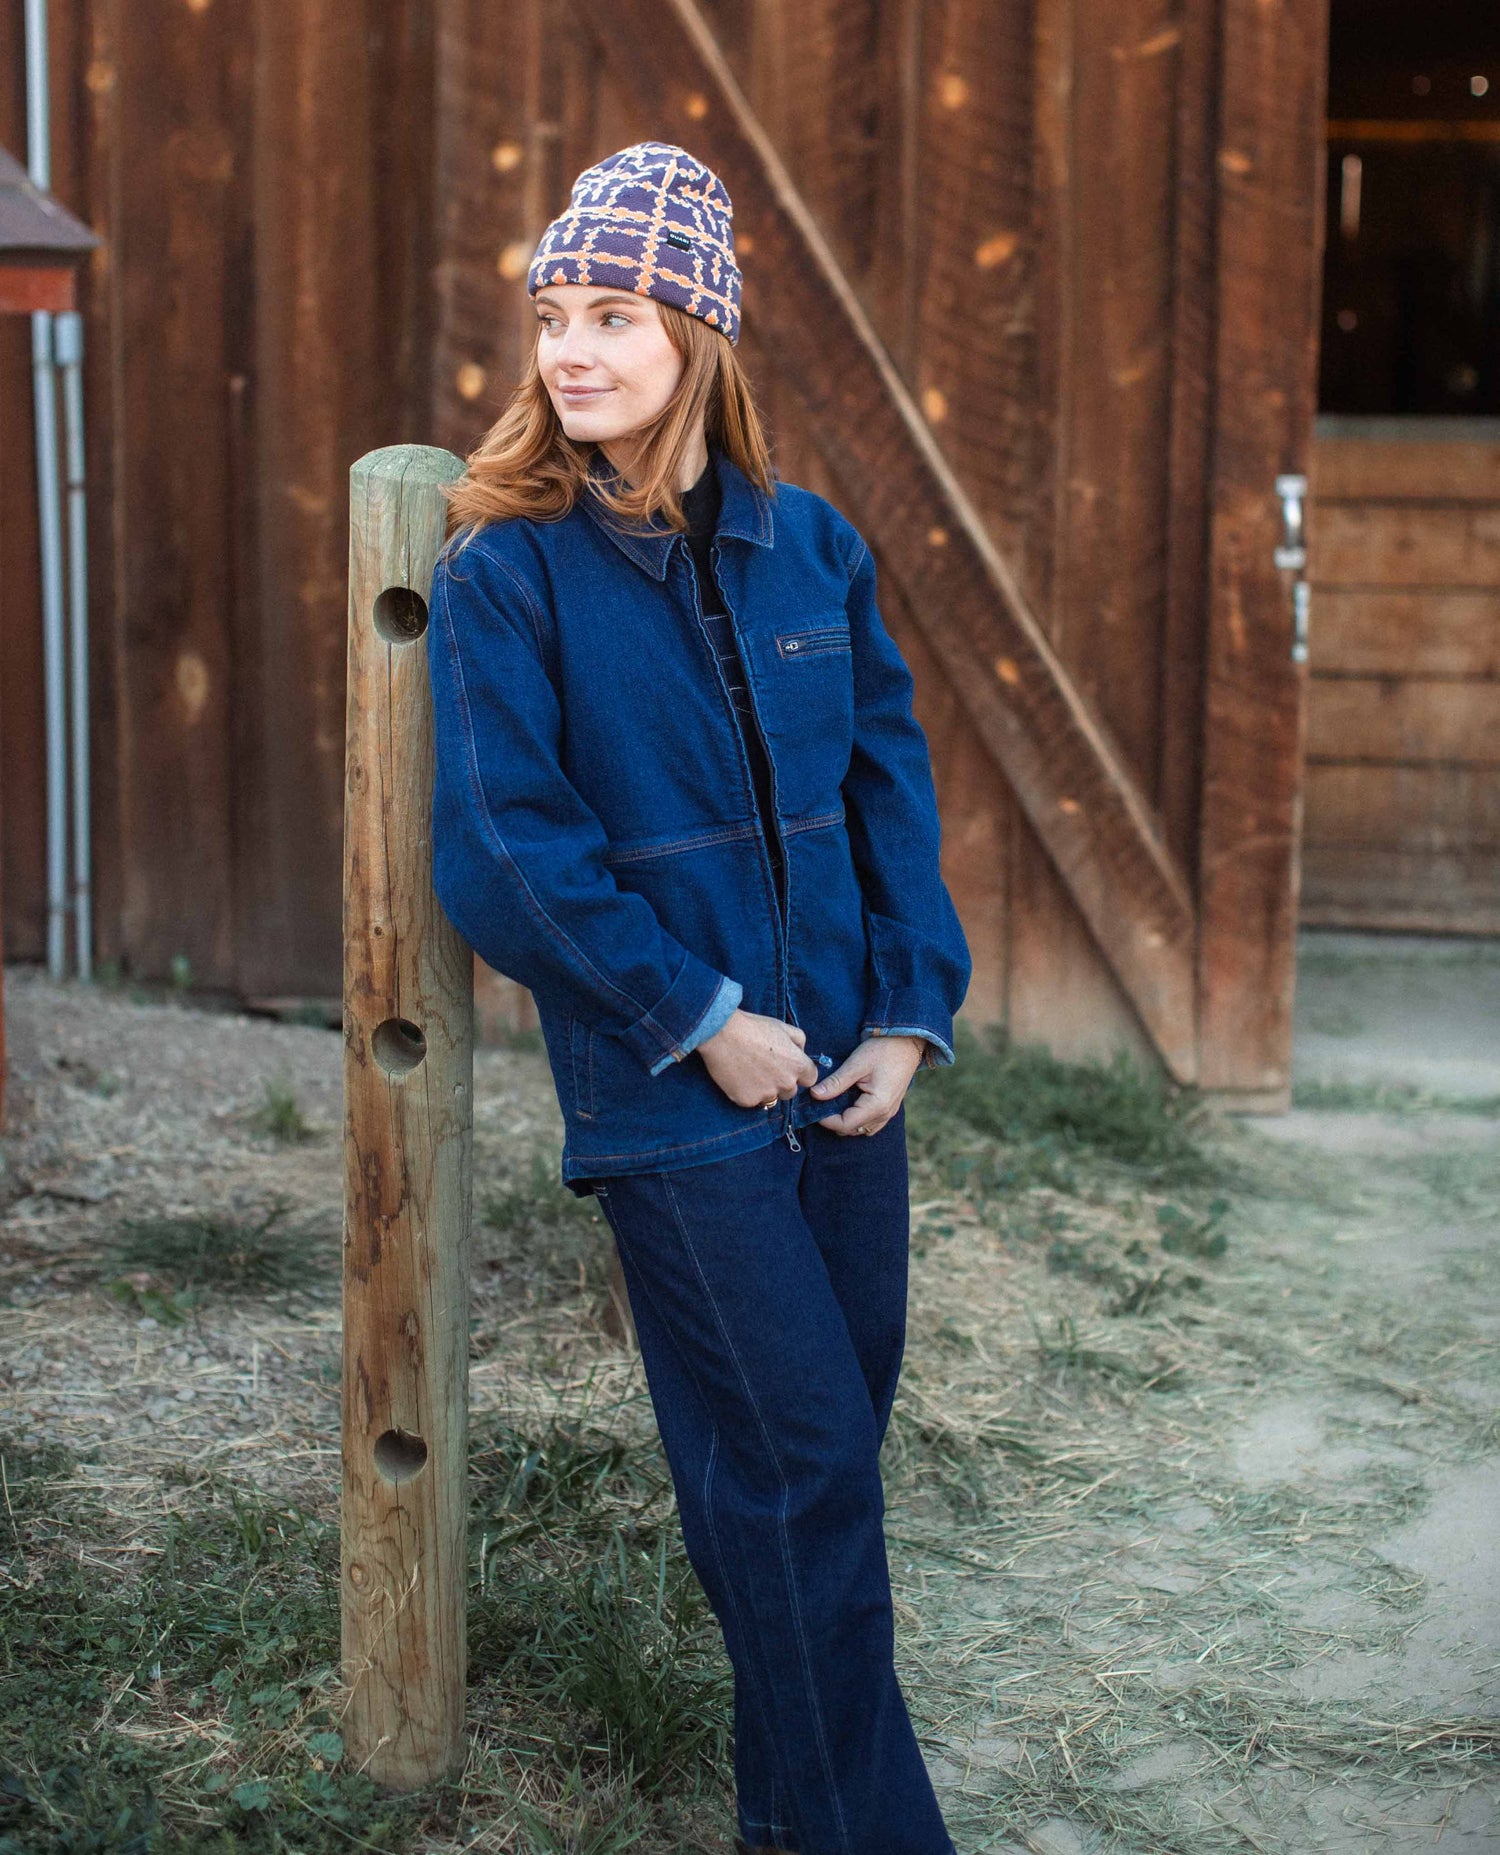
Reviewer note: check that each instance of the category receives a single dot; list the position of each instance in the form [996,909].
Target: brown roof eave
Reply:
[33,225]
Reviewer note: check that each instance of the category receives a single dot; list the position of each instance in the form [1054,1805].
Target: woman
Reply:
[681,795]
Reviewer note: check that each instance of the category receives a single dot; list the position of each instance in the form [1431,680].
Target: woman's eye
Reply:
[615,315]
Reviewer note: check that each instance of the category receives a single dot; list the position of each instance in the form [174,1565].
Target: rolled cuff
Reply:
[721,1008]
[938,1052]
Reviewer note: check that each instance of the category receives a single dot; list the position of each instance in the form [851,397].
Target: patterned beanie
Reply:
[653,220]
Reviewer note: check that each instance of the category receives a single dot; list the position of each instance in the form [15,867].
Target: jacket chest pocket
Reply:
[807,676]
[813,642]
[581,1053]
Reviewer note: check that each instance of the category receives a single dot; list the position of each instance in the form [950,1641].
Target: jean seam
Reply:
[708,1476]
[786,1549]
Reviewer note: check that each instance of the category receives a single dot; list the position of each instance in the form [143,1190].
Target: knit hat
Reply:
[654,220]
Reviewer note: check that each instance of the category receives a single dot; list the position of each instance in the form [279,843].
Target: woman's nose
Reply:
[572,350]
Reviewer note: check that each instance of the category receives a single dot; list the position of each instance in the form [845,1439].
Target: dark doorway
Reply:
[1411,302]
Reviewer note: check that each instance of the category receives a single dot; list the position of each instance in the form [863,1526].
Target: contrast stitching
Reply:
[670,1330]
[606,984]
[814,822]
[688,1146]
[725,834]
[786,1495]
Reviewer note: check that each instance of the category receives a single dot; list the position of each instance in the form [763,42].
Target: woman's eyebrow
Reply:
[619,296]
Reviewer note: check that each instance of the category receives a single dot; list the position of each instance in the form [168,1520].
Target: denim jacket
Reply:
[594,822]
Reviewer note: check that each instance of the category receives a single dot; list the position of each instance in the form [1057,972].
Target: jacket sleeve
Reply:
[518,853]
[919,952]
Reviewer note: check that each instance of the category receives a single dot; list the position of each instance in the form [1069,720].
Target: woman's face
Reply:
[605,359]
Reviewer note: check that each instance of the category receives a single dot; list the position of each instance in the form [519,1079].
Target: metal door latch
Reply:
[1292,554]
[1301,608]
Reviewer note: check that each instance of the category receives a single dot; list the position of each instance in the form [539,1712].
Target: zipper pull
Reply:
[791,1139]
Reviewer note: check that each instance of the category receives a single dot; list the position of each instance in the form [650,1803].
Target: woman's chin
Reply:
[592,424]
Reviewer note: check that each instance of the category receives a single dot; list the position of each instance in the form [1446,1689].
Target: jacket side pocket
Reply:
[581,1051]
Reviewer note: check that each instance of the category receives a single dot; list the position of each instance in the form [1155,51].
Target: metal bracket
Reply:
[1292,554]
[1301,612]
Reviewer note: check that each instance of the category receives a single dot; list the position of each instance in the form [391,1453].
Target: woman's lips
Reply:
[582,393]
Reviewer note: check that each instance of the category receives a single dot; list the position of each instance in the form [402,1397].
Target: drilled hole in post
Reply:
[398,1046]
[400,615]
[399,1455]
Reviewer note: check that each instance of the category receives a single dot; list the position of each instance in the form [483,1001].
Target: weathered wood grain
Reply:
[1378,718]
[322,376]
[1418,468]
[1419,808]
[1402,890]
[1387,545]
[1269,240]
[1431,632]
[408,1144]
[1403,785]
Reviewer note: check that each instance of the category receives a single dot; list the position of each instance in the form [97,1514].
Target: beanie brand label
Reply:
[680,240]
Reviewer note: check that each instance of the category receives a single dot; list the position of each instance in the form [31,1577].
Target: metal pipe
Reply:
[56,340]
[49,514]
[69,351]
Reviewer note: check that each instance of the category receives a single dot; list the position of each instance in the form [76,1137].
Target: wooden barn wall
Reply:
[1403,748]
[318,215]
[257,316]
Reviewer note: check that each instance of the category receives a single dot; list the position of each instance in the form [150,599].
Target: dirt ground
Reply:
[1194,1507]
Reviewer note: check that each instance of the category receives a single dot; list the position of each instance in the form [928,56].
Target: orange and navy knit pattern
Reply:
[654,220]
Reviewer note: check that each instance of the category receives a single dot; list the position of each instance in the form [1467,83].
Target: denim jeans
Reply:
[769,1295]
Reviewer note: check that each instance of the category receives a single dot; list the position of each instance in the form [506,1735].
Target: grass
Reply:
[178,1694]
[167,1266]
[1046,1117]
[180,1690]
[279,1115]
[1107,1284]
[1374,1097]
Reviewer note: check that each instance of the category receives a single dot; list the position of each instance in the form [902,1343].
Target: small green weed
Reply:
[280,1116]
[1188,1233]
[1070,1358]
[166,1264]
[1101,1263]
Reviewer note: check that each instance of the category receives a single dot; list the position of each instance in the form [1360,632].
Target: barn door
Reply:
[1042,547]
[1267,264]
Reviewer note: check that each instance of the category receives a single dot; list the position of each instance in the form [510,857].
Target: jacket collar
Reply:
[744,511]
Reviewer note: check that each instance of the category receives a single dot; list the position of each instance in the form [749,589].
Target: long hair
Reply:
[527,465]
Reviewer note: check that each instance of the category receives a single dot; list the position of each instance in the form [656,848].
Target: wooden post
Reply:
[408,1147]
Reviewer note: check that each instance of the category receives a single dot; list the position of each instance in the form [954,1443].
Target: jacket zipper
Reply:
[784,900]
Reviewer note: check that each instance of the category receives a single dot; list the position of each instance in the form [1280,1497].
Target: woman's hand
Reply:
[757,1060]
[882,1069]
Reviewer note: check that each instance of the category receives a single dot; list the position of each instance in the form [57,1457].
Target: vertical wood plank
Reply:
[485,153]
[1184,628]
[170,83]
[1269,245]
[320,399]
[1104,77]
